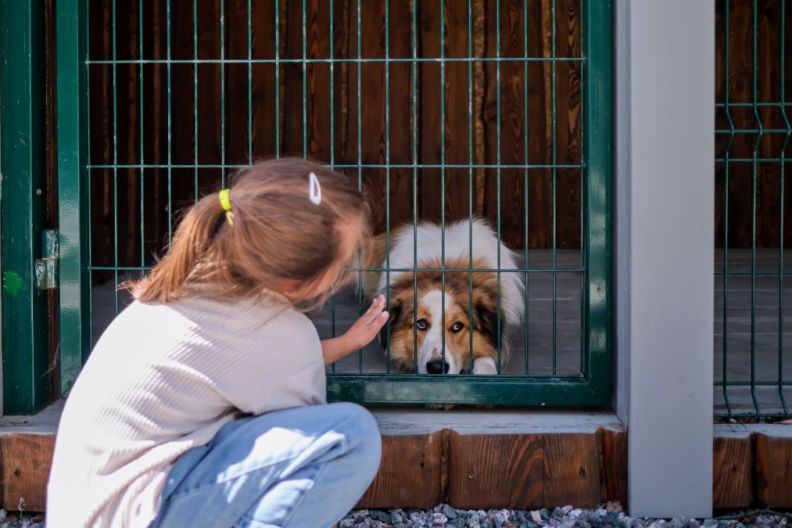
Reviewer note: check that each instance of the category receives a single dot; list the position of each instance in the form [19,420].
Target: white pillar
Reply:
[664,251]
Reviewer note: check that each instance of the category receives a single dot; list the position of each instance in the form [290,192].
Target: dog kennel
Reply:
[439,110]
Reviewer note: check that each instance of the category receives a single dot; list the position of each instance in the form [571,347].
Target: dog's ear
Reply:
[395,311]
[487,321]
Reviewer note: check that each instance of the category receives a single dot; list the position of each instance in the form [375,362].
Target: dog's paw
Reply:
[484,367]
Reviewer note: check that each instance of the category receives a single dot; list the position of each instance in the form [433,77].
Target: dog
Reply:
[469,299]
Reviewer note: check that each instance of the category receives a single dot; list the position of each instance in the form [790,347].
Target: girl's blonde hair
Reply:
[278,233]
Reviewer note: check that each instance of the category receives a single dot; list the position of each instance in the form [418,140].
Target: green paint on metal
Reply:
[24,318]
[597,136]
[73,189]
[12,283]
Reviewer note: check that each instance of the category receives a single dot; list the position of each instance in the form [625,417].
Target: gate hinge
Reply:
[47,266]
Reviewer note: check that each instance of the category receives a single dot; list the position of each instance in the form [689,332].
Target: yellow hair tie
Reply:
[225,203]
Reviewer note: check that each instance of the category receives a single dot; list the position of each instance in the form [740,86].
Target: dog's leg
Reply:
[484,366]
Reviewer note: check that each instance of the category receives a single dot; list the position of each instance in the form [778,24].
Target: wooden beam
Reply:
[732,479]
[410,473]
[773,471]
[25,461]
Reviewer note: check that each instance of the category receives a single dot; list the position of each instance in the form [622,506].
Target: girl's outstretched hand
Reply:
[366,328]
[360,334]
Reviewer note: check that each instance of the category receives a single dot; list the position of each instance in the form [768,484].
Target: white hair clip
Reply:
[314,189]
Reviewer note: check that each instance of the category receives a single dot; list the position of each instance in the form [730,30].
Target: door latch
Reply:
[46,268]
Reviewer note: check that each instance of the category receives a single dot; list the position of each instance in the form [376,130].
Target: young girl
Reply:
[203,403]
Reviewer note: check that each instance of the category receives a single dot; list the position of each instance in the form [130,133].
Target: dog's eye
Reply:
[422,324]
[457,327]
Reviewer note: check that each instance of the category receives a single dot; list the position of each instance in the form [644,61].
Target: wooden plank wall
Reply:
[120,193]
[487,470]
[478,83]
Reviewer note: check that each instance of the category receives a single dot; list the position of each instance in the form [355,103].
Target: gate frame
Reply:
[25,330]
[594,390]
[73,123]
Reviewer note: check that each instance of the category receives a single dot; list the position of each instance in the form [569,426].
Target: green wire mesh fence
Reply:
[440,111]
[753,358]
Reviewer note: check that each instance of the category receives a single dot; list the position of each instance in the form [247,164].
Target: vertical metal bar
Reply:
[553,144]
[498,170]
[250,80]
[331,45]
[597,80]
[222,95]
[442,180]
[387,168]
[526,153]
[141,142]
[277,79]
[24,328]
[73,216]
[195,100]
[782,23]
[726,165]
[115,159]
[83,231]
[358,65]
[754,162]
[304,66]
[471,160]
[582,366]
[170,120]
[414,175]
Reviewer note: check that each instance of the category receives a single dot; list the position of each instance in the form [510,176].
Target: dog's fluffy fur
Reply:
[420,326]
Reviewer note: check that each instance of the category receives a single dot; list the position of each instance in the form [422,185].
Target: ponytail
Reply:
[190,245]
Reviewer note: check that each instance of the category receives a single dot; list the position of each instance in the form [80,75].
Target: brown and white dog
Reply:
[469,299]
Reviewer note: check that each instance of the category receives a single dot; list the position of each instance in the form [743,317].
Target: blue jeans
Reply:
[304,467]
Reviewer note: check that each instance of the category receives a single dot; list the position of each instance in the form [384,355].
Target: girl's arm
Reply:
[360,334]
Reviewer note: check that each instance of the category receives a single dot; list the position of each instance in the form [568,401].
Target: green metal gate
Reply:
[129,155]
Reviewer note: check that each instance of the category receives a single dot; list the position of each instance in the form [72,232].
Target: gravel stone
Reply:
[443,515]
[609,515]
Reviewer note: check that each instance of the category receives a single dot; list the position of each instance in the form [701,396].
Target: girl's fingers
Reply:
[378,304]
[376,307]
[379,320]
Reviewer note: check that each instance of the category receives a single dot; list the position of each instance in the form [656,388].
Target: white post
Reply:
[664,256]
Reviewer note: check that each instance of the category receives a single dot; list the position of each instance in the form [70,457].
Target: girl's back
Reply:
[165,378]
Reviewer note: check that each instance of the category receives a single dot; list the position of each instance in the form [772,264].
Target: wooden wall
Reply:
[123,145]
[142,195]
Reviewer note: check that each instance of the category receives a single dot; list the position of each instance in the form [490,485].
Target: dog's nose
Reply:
[436,366]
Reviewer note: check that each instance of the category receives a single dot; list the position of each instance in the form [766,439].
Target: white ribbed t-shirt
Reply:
[162,379]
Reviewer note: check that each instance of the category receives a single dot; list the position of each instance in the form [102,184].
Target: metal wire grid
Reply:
[361,384]
[752,356]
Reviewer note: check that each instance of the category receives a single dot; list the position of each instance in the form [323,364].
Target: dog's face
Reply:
[422,340]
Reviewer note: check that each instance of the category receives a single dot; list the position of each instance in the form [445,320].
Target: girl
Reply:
[203,403]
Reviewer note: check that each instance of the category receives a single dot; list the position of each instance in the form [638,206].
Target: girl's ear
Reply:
[290,289]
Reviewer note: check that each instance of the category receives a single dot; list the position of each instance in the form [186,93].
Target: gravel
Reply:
[607,516]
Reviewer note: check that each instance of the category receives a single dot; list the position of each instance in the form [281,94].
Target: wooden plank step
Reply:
[481,460]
